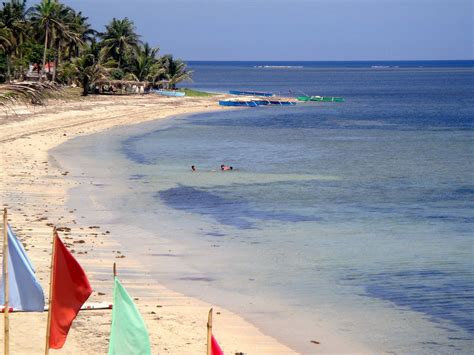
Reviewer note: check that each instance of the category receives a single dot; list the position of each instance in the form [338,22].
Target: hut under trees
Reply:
[119,87]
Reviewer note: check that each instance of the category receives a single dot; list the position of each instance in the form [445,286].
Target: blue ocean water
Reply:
[355,217]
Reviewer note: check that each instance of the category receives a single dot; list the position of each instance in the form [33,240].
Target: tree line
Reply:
[51,32]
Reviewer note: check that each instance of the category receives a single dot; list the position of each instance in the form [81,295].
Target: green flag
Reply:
[128,335]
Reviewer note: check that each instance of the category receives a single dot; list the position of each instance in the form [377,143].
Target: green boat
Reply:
[320,98]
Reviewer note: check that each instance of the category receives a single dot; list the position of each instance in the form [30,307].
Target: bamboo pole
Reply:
[6,315]
[209,332]
[48,326]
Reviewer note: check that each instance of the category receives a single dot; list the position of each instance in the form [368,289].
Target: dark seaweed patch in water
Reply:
[136,177]
[165,254]
[232,212]
[441,295]
[130,150]
[197,278]
[215,234]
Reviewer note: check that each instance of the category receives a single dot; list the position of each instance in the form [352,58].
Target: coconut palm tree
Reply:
[145,66]
[44,18]
[89,67]
[7,45]
[120,39]
[87,35]
[5,38]
[176,71]
[13,17]
[63,31]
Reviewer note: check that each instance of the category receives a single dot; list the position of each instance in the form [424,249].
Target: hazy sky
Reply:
[296,29]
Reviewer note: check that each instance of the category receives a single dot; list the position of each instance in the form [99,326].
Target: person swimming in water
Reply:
[193,168]
[225,167]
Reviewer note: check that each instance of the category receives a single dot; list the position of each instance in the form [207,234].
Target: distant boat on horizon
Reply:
[384,66]
[279,66]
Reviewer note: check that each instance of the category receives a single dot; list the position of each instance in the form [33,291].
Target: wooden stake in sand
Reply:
[6,315]
[209,332]
[115,271]
[48,326]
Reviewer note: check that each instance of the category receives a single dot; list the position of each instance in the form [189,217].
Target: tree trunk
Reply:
[44,52]
[120,55]
[56,58]
[20,55]
[22,72]
[85,87]
[9,74]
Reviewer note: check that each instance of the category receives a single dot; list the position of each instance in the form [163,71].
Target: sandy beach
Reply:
[33,189]
[315,192]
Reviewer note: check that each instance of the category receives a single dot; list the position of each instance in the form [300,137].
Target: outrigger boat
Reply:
[320,98]
[257,102]
[282,102]
[252,93]
[248,103]
[170,93]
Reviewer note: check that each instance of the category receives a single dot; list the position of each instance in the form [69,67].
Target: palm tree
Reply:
[89,67]
[176,71]
[86,35]
[5,38]
[145,65]
[119,39]
[44,17]
[13,18]
[7,45]
[63,31]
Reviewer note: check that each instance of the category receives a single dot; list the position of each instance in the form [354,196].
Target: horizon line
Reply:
[319,60]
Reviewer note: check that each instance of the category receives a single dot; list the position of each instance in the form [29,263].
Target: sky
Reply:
[296,29]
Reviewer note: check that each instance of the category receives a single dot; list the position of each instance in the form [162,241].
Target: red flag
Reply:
[70,290]
[215,348]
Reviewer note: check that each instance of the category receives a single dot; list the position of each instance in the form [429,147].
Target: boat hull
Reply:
[171,93]
[282,103]
[253,103]
[320,98]
[253,93]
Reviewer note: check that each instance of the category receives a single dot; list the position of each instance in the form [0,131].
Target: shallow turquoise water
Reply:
[353,217]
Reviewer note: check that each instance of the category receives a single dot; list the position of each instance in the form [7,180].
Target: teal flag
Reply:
[128,335]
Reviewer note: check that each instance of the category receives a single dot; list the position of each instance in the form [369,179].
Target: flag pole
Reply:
[209,332]
[6,314]
[48,330]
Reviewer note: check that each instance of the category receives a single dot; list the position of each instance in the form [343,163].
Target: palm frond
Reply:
[26,93]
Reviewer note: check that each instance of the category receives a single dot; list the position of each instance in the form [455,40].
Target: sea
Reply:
[350,219]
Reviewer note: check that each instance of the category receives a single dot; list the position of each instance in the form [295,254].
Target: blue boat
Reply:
[261,102]
[171,93]
[246,103]
[252,93]
[282,102]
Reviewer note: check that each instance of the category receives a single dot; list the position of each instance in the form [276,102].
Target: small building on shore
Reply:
[119,87]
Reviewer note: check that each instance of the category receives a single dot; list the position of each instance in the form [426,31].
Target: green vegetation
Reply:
[52,42]
[196,93]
